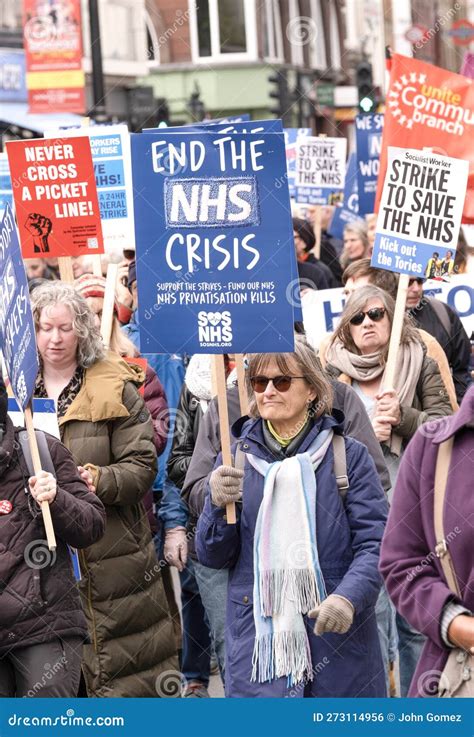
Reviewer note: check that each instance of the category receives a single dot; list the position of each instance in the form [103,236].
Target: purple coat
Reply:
[348,545]
[412,572]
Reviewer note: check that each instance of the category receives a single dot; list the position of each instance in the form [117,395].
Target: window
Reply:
[223,30]
[152,41]
[317,42]
[336,59]
[10,15]
[295,33]
[273,39]
[305,32]
[119,44]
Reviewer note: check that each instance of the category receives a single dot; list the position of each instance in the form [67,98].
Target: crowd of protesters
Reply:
[328,575]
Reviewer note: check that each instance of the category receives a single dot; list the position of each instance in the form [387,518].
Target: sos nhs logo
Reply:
[214,329]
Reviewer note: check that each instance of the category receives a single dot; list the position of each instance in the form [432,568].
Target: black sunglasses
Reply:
[281,383]
[375,314]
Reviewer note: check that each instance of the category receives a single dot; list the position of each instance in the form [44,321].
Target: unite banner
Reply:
[429,107]
[52,37]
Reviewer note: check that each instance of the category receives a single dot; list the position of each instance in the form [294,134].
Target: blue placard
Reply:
[16,320]
[255,126]
[369,129]
[6,192]
[106,145]
[226,126]
[292,137]
[242,118]
[215,249]
[13,77]
[349,211]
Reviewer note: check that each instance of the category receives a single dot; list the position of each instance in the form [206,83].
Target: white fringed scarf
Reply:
[287,576]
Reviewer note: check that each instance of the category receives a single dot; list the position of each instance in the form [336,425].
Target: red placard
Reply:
[52,38]
[55,196]
[429,107]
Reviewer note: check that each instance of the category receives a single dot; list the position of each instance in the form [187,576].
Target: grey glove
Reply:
[225,485]
[334,614]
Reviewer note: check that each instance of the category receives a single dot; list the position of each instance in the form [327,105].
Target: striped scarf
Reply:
[287,576]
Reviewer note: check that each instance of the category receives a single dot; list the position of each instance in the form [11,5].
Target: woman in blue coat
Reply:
[303,560]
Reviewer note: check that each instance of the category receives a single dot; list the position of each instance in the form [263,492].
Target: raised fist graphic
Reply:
[40,227]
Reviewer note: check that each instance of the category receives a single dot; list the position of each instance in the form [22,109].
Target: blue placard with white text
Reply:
[369,129]
[226,126]
[6,191]
[215,249]
[16,320]
[349,210]
[242,118]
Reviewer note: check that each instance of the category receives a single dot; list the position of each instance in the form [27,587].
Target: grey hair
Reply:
[357,302]
[359,227]
[90,348]
[308,364]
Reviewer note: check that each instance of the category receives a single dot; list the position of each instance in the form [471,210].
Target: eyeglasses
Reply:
[280,383]
[375,314]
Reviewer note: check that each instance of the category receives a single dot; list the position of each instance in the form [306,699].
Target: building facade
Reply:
[222,52]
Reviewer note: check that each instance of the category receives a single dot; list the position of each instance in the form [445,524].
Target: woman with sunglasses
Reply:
[357,355]
[303,556]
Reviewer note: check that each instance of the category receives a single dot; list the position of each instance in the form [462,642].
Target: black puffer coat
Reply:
[39,599]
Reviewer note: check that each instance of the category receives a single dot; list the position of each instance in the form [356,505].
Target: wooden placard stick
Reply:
[396,334]
[65,269]
[317,231]
[108,307]
[45,510]
[224,425]
[243,398]
[317,222]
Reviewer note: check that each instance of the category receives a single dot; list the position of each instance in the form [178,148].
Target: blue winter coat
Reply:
[170,371]
[348,544]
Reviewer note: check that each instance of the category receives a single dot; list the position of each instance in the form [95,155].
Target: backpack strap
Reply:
[441,313]
[340,465]
[43,449]
[441,550]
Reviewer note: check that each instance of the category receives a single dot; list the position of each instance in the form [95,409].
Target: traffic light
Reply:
[281,92]
[365,87]
[162,111]
[196,106]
